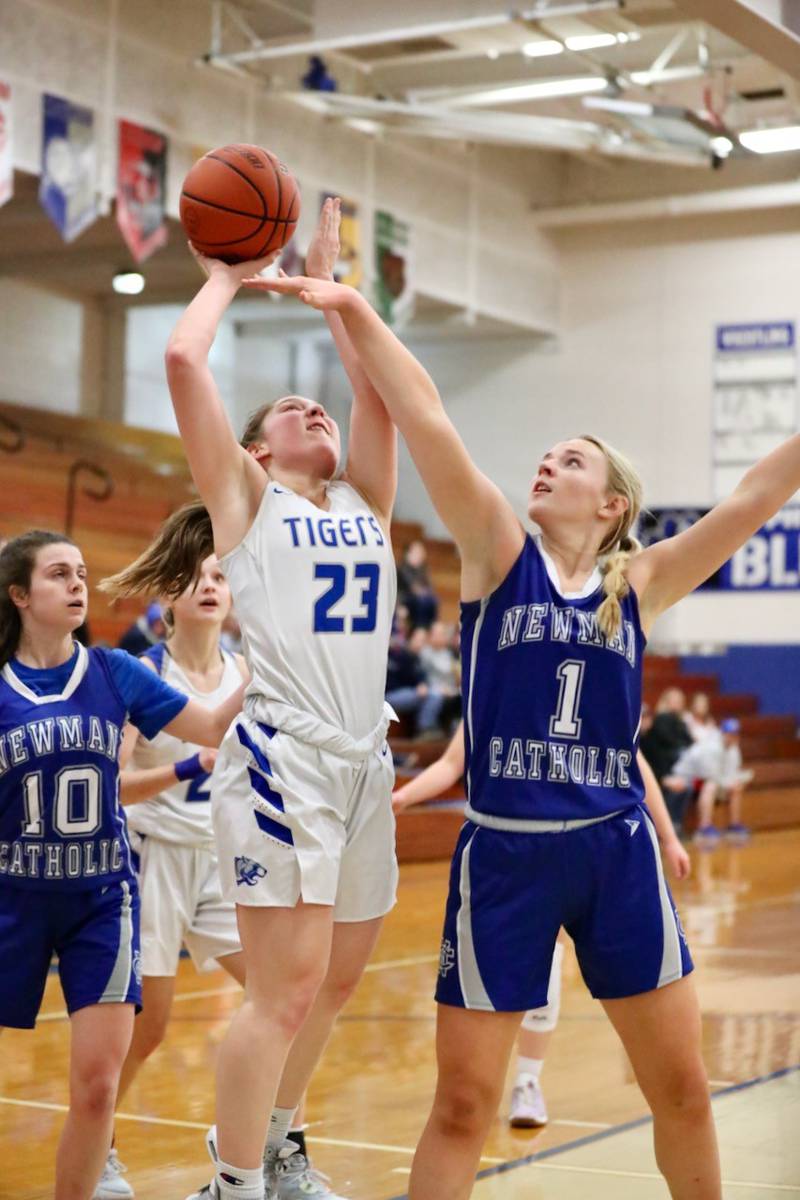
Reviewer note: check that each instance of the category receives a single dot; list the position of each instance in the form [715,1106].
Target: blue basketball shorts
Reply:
[95,934]
[510,893]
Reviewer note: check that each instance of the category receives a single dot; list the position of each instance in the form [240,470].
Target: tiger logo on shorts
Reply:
[248,871]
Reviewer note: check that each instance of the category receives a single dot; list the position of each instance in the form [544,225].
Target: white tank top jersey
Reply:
[181,814]
[314,592]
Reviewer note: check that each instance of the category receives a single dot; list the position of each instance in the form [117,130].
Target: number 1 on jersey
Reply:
[565,723]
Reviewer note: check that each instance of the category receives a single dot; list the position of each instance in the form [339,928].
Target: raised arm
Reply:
[436,778]
[667,571]
[475,511]
[372,441]
[206,726]
[229,480]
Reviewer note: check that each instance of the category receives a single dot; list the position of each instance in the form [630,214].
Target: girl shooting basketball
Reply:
[301,795]
[553,632]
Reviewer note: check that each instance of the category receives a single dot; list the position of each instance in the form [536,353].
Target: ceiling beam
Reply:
[769,28]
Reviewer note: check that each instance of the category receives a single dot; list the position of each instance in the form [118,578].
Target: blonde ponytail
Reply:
[620,545]
[615,585]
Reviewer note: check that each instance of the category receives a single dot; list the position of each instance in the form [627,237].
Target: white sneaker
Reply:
[288,1175]
[112,1186]
[528,1109]
[209,1190]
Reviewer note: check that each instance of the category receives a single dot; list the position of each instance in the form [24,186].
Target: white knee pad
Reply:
[545,1019]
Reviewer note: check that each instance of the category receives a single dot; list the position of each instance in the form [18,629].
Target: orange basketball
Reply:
[239,203]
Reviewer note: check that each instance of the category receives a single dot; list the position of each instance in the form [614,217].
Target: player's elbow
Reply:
[181,355]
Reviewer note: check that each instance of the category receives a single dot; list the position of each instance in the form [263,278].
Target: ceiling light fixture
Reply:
[128,283]
[542,49]
[627,107]
[591,41]
[543,90]
[771,141]
[721,146]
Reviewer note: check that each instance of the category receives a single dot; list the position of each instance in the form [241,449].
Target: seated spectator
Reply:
[414,588]
[406,686]
[716,764]
[699,721]
[661,744]
[443,673]
[146,631]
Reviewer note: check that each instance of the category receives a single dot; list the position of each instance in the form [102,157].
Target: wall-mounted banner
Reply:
[68,186]
[768,561]
[393,291]
[349,269]
[755,397]
[141,188]
[6,143]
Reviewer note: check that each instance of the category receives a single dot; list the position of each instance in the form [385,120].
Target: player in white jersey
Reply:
[165,784]
[528,1107]
[553,631]
[301,798]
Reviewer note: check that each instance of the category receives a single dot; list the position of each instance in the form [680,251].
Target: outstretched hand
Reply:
[323,252]
[323,294]
[235,272]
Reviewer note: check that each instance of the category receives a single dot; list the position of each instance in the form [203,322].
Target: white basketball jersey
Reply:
[314,592]
[182,812]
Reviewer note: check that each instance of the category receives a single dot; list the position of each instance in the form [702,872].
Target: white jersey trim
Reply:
[78,672]
[588,589]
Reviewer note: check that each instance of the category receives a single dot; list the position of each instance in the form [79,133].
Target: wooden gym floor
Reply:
[369,1100]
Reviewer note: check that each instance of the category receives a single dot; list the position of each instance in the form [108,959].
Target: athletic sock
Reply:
[279,1124]
[238,1183]
[529,1069]
[299,1138]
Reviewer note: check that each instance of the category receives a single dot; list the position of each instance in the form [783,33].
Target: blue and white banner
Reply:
[755,397]
[68,186]
[768,561]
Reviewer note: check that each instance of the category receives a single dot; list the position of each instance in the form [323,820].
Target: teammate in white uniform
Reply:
[165,782]
[301,799]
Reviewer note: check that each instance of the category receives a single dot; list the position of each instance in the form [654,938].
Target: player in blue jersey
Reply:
[553,631]
[301,792]
[67,885]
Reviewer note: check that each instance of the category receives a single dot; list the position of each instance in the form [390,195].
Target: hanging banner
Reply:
[349,269]
[755,397]
[68,187]
[392,267]
[768,561]
[141,189]
[6,144]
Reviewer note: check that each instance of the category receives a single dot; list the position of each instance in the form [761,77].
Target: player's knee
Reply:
[338,986]
[94,1091]
[289,1008]
[465,1107]
[684,1093]
[148,1038]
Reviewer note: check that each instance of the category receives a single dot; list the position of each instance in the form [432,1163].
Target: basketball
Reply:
[238,203]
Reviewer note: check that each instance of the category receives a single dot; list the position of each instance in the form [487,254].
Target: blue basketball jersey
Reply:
[551,706]
[61,824]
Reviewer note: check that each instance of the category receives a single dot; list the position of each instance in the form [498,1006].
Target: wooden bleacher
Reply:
[41,451]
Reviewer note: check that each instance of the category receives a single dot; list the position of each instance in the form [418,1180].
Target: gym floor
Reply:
[371,1095]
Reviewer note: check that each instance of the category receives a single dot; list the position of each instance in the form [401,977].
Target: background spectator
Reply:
[406,686]
[414,588]
[667,737]
[146,631]
[719,765]
[700,723]
[443,674]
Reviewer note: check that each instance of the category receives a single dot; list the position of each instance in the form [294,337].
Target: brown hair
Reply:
[619,544]
[171,562]
[252,430]
[17,560]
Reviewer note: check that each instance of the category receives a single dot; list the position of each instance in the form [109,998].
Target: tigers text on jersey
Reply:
[181,813]
[61,824]
[552,706]
[314,592]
